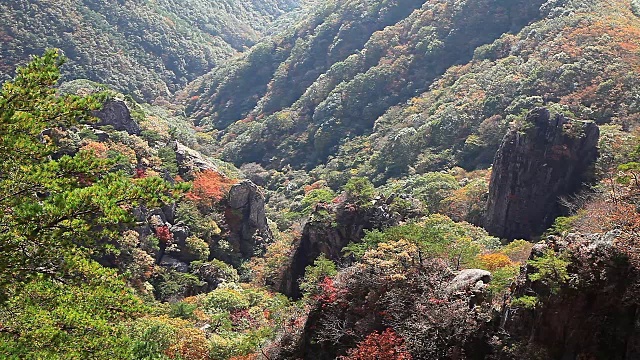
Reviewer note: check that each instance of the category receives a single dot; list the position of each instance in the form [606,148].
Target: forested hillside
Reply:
[336,72]
[321,180]
[144,48]
[438,81]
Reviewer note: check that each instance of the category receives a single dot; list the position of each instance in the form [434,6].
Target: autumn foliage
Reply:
[164,234]
[381,346]
[494,261]
[209,187]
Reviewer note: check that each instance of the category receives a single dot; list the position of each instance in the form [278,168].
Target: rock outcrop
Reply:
[468,279]
[246,218]
[594,315]
[538,162]
[191,161]
[117,114]
[328,234]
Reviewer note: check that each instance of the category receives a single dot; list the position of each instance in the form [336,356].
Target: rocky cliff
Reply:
[245,216]
[538,161]
[593,315]
[330,229]
[117,114]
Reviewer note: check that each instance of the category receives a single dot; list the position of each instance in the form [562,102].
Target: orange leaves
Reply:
[209,187]
[191,344]
[97,148]
[382,346]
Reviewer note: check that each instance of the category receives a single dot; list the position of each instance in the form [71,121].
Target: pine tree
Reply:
[54,212]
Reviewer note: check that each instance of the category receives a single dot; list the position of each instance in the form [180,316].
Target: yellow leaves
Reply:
[392,259]
[494,261]
[518,251]
[191,344]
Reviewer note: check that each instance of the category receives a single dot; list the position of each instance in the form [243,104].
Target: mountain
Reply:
[144,48]
[410,179]
[435,81]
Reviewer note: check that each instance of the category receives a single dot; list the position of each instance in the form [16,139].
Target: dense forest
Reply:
[329,179]
[145,48]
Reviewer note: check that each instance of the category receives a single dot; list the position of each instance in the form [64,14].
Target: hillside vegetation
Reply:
[438,81]
[144,48]
[322,180]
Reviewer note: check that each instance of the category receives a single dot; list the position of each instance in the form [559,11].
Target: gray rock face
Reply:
[321,236]
[469,279]
[117,114]
[537,163]
[593,316]
[191,161]
[171,262]
[247,221]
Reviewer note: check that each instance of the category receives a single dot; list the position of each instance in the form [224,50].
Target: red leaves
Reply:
[164,234]
[140,173]
[381,346]
[329,293]
[209,187]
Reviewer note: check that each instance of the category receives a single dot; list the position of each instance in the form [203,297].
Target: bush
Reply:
[382,346]
[225,300]
[209,187]
[359,191]
[314,274]
[313,197]
[551,270]
[169,160]
[197,247]
[170,284]
[527,302]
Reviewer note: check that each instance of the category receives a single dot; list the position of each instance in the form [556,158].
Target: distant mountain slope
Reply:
[343,85]
[146,48]
[582,60]
[302,93]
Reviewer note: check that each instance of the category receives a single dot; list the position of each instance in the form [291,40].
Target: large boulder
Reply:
[191,161]
[538,162]
[328,235]
[468,279]
[116,114]
[246,218]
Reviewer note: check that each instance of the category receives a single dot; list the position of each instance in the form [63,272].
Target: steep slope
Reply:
[581,60]
[302,93]
[139,47]
[317,94]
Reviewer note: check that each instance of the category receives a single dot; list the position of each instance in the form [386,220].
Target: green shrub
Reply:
[169,160]
[197,247]
[551,270]
[316,273]
[224,300]
[527,302]
[360,191]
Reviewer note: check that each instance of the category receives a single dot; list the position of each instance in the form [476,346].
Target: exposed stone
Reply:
[468,279]
[323,235]
[191,161]
[595,315]
[246,218]
[169,212]
[102,136]
[180,234]
[538,162]
[171,262]
[538,250]
[117,114]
